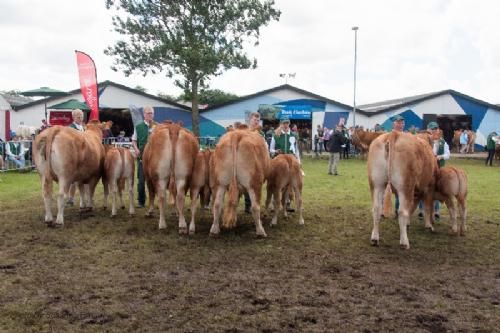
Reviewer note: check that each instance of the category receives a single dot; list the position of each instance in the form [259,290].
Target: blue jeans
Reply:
[18,162]
[436,206]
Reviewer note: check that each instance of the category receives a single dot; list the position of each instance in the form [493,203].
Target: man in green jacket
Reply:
[442,152]
[491,142]
[139,140]
[284,141]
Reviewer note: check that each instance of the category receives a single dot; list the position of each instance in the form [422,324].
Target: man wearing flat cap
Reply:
[398,123]
[284,141]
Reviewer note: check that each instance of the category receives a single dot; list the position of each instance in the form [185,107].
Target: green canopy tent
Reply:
[71,104]
[44,92]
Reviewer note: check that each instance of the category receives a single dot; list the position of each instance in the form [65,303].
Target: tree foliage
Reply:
[210,96]
[191,40]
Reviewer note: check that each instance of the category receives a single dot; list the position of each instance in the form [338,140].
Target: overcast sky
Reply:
[404,48]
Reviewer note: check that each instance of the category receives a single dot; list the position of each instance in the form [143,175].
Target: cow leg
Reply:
[298,200]
[47,198]
[151,198]
[105,185]
[277,206]
[428,211]
[269,195]
[121,187]
[193,194]
[255,198]
[284,199]
[63,189]
[114,190]
[161,190]
[377,205]
[405,206]
[450,204]
[179,200]
[81,190]
[463,214]
[217,209]
[90,187]
[130,188]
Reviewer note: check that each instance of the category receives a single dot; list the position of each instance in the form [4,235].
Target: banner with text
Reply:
[295,112]
[88,82]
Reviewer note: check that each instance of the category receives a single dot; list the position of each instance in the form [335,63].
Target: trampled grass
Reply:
[124,275]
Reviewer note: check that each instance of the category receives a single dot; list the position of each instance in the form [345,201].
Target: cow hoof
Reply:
[375,242]
[148,215]
[113,215]
[262,235]
[430,228]
[404,246]
[131,214]
[213,235]
[50,224]
[183,231]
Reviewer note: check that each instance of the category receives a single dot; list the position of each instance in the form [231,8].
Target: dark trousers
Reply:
[491,154]
[248,202]
[141,190]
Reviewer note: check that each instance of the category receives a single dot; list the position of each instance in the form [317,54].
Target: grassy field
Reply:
[99,274]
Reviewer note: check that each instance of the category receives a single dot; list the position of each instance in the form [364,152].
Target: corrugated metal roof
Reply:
[16,100]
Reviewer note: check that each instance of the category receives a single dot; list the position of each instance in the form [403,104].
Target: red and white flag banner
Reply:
[88,82]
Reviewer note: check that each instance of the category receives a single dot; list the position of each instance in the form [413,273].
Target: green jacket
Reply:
[282,142]
[490,143]
[441,152]
[15,149]
[143,130]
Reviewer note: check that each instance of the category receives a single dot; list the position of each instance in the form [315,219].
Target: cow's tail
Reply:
[389,157]
[173,133]
[47,152]
[462,181]
[229,220]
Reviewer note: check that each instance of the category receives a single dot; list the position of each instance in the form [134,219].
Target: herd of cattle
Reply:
[171,161]
[240,163]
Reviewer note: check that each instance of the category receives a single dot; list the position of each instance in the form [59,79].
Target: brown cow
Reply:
[285,175]
[119,167]
[407,164]
[362,139]
[199,184]
[68,156]
[170,153]
[452,183]
[240,162]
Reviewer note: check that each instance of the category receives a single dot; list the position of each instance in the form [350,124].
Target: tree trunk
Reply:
[195,114]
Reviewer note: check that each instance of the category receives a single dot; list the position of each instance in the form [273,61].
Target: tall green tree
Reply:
[191,40]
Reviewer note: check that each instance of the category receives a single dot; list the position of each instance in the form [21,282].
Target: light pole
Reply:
[355,29]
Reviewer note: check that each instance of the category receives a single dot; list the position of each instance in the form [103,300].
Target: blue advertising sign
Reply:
[295,112]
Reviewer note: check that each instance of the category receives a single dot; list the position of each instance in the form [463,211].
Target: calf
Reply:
[170,154]
[199,184]
[452,183]
[119,167]
[284,176]
[240,162]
